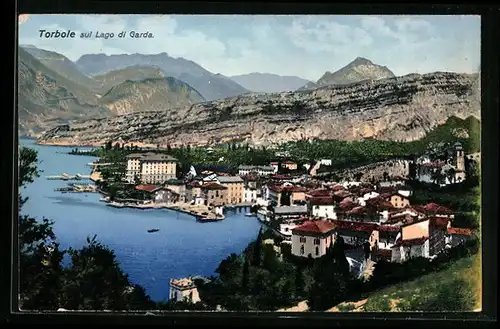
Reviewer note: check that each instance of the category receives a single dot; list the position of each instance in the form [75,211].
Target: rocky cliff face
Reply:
[360,69]
[402,108]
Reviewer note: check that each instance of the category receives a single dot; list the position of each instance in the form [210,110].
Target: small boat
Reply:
[249,214]
[153,230]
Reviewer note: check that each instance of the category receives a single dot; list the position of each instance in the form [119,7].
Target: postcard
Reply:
[249,163]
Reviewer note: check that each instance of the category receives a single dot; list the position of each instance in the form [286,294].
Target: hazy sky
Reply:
[304,46]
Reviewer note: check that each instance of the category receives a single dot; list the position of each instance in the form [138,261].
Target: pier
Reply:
[74,188]
[66,177]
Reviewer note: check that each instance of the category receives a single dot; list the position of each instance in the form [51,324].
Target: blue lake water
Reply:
[182,247]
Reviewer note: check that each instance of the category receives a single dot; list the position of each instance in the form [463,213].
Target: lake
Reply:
[183,247]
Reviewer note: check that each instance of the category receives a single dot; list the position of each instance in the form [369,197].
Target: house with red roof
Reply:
[396,199]
[382,239]
[312,238]
[214,194]
[322,207]
[158,193]
[286,194]
[423,238]
[434,209]
[456,236]
[354,233]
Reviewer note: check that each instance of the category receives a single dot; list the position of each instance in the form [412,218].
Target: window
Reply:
[317,251]
[302,249]
[303,239]
[316,241]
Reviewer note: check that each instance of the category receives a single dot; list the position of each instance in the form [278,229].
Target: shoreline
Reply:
[91,144]
[198,216]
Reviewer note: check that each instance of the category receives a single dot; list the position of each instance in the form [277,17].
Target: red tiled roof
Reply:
[279,189]
[438,222]
[338,188]
[360,210]
[147,188]
[437,209]
[279,177]
[320,193]
[318,226]
[388,228]
[459,231]
[365,190]
[274,163]
[194,184]
[411,242]
[355,226]
[322,201]
[342,193]
[213,186]
[379,204]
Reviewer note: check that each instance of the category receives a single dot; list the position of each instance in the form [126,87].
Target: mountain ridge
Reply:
[399,108]
[269,82]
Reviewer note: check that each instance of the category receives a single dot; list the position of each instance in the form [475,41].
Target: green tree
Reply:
[245,276]
[257,249]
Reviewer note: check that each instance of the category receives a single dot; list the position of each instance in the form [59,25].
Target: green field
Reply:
[453,289]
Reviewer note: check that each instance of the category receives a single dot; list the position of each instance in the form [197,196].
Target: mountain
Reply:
[269,83]
[44,94]
[211,86]
[400,108]
[132,73]
[62,65]
[358,70]
[152,94]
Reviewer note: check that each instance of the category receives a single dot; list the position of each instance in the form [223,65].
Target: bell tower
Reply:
[460,157]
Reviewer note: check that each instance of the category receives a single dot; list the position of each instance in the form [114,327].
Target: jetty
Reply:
[65,176]
[75,188]
[201,213]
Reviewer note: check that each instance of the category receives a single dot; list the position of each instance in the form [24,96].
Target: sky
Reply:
[300,45]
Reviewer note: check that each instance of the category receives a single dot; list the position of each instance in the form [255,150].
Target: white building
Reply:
[312,239]
[259,170]
[286,229]
[323,208]
[184,290]
[326,162]
[150,168]
[249,195]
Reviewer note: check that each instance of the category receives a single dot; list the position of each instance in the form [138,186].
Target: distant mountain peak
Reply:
[361,61]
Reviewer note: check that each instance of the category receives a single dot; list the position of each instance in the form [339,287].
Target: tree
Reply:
[299,281]
[108,146]
[257,249]
[244,276]
[95,281]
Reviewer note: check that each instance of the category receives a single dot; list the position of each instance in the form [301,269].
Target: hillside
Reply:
[269,83]
[63,66]
[402,108]
[132,73]
[360,69]
[150,94]
[454,289]
[44,94]
[211,86]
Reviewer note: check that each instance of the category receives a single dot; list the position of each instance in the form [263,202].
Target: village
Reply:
[306,212]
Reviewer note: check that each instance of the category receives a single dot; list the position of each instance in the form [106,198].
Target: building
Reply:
[259,170]
[150,168]
[184,290]
[158,193]
[384,237]
[323,207]
[397,200]
[456,236]
[312,239]
[286,195]
[325,162]
[460,161]
[177,186]
[425,238]
[214,194]
[275,166]
[290,165]
[289,212]
[249,195]
[235,188]
[354,233]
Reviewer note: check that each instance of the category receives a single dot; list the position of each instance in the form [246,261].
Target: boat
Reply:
[153,230]
[249,214]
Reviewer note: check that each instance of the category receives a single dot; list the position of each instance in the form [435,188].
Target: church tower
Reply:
[460,171]
[460,157]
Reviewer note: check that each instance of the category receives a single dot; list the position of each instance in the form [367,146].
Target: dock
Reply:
[65,176]
[75,188]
